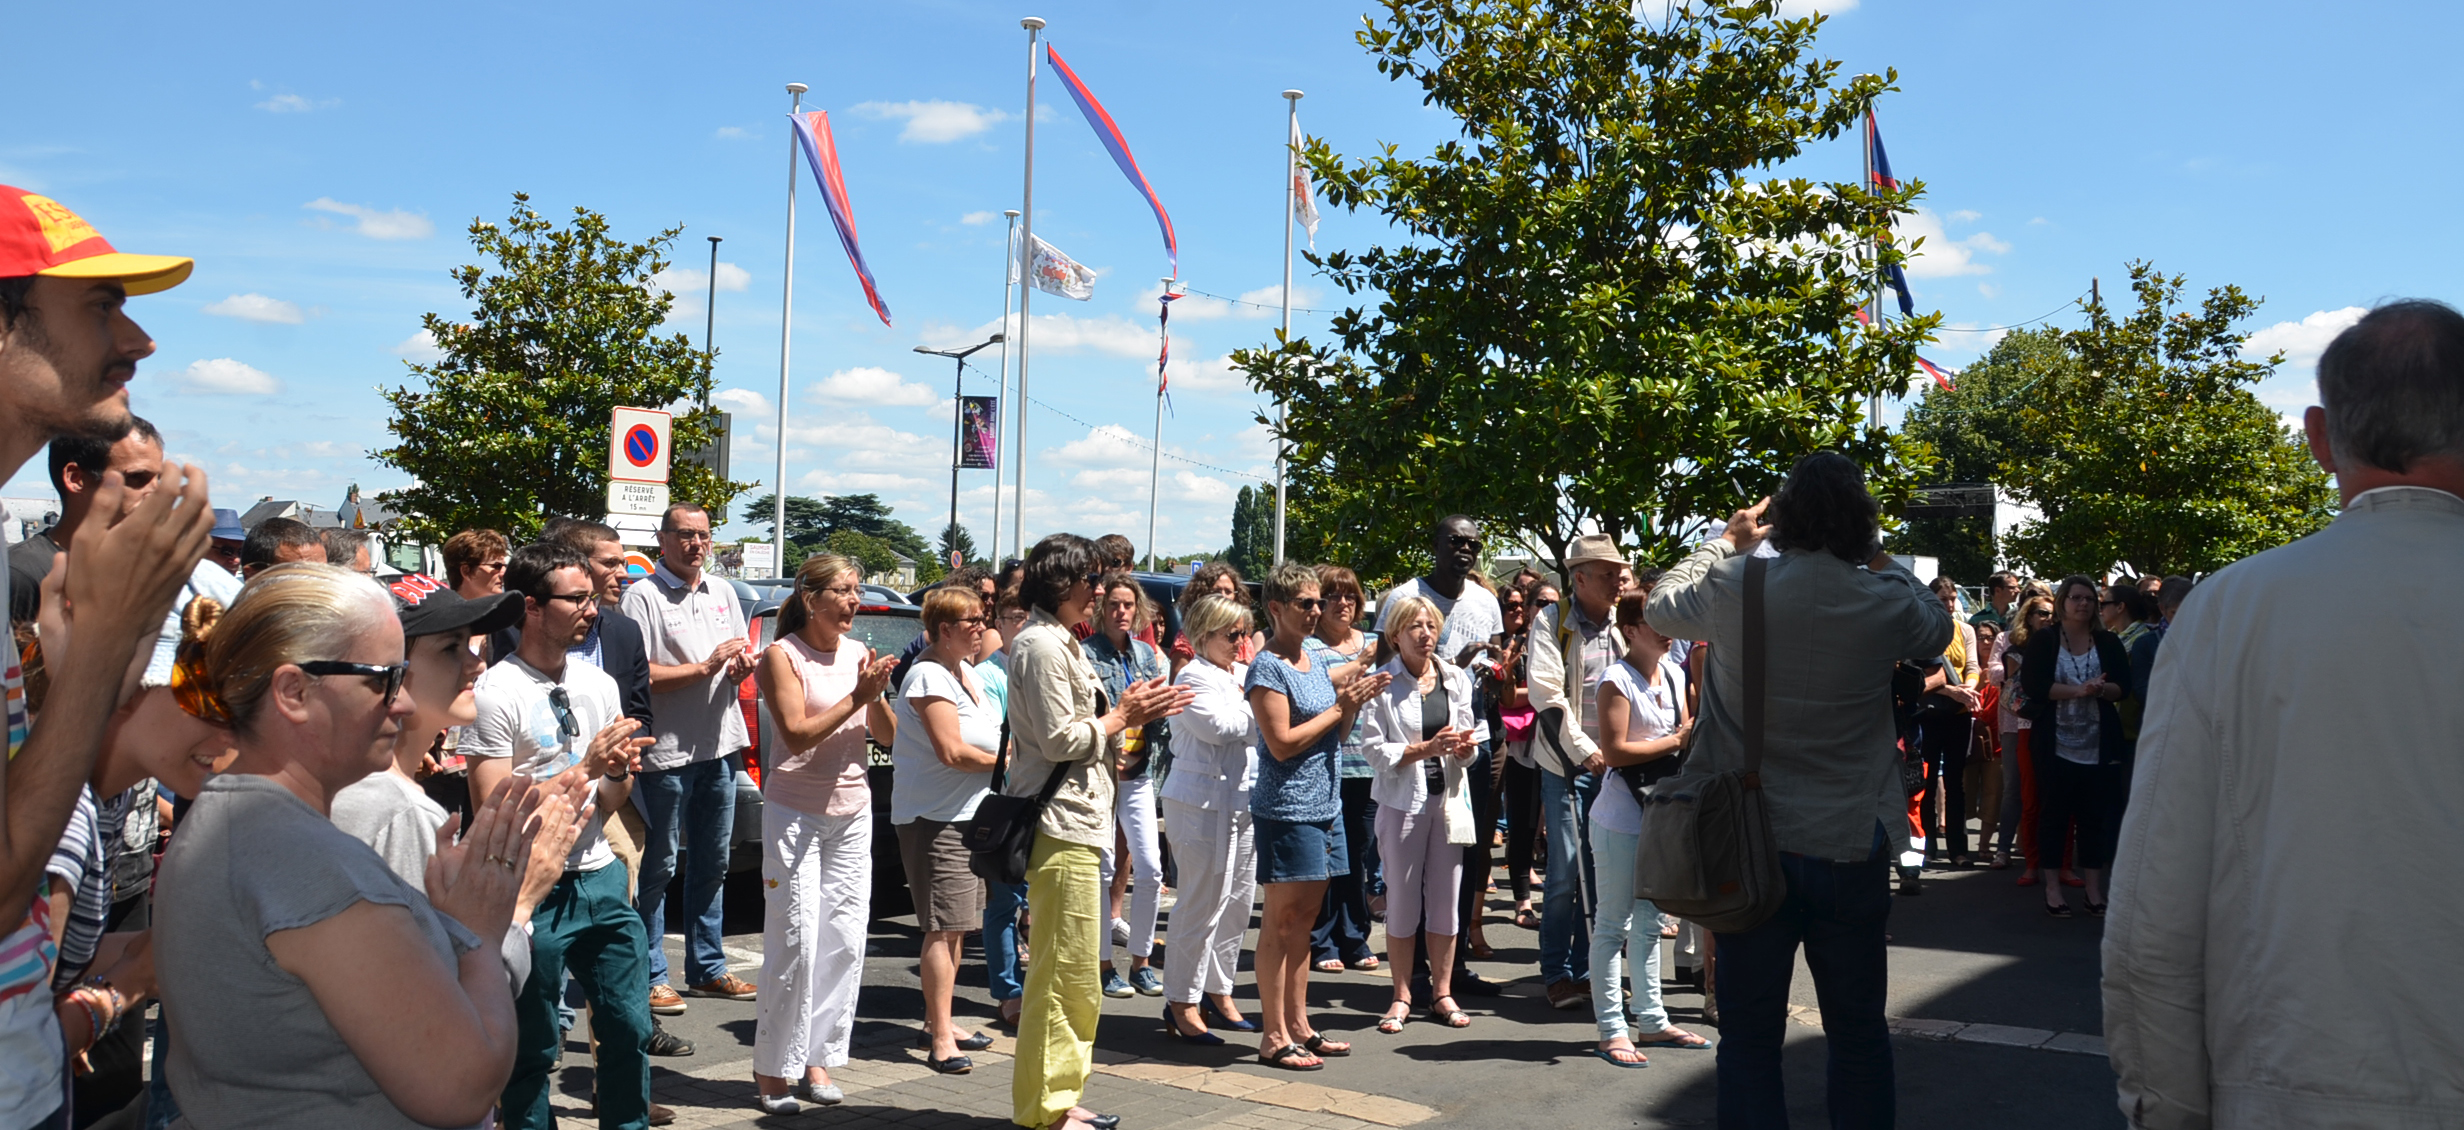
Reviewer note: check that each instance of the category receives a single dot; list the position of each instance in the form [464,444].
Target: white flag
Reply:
[1304,198]
[1054,272]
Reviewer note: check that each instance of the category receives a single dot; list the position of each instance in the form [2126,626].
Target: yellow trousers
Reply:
[1064,992]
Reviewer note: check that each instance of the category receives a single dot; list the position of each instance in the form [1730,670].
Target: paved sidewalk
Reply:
[1994,1004]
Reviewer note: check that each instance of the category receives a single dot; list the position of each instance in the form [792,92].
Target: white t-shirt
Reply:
[1651,712]
[700,721]
[518,720]
[920,785]
[1473,618]
[30,1055]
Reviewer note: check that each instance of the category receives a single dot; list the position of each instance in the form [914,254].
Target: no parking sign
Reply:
[637,455]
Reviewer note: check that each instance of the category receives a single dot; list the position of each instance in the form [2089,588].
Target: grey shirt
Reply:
[396,818]
[253,1047]
[683,624]
[1834,630]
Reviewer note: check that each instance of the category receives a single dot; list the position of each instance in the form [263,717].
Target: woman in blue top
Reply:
[1297,807]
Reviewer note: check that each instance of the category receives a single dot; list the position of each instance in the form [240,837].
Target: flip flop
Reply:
[1610,1057]
[1682,1040]
[1367,964]
[1330,965]
[1288,1057]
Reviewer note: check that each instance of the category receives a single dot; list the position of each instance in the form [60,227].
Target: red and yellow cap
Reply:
[39,236]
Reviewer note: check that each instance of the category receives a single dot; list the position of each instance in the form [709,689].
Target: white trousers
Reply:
[1218,854]
[817,894]
[1134,806]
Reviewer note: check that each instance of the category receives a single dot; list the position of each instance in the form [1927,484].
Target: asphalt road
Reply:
[1972,951]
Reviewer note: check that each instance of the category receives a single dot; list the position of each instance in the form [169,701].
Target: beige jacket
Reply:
[2283,944]
[1548,655]
[1053,720]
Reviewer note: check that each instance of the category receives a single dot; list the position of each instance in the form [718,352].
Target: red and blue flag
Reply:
[1108,132]
[1878,172]
[821,152]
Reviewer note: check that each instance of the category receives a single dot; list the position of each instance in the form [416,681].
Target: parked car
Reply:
[886,626]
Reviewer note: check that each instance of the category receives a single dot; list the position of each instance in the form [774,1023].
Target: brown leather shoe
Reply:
[727,987]
[664,1001]
[1569,993]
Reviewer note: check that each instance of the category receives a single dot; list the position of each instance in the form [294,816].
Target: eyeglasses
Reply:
[579,599]
[2108,602]
[977,621]
[562,703]
[192,690]
[842,592]
[391,675]
[1307,603]
[489,567]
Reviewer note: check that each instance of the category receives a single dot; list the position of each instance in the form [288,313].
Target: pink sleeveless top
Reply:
[828,779]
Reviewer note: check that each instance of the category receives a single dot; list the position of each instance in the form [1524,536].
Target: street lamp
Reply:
[958,420]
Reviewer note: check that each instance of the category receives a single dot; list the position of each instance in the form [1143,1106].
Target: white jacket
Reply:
[1392,720]
[2283,943]
[1214,741]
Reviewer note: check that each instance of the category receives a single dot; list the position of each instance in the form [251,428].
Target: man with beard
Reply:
[67,352]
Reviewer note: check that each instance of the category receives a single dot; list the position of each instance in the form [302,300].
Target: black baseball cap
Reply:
[429,608]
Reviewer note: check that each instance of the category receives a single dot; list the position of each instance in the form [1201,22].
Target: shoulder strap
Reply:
[1755,662]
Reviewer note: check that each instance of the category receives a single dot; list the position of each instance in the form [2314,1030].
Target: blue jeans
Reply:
[583,926]
[1342,930]
[693,806]
[1838,912]
[1001,973]
[1565,902]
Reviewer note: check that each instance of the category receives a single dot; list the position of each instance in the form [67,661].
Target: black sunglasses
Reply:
[1308,604]
[1463,541]
[391,677]
[562,703]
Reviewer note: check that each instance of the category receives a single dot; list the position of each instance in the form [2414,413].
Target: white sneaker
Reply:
[776,1104]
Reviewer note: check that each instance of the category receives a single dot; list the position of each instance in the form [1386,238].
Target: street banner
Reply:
[1116,144]
[1304,196]
[812,129]
[979,424]
[1055,273]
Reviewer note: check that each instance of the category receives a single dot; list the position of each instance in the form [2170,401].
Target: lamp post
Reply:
[710,319]
[958,420]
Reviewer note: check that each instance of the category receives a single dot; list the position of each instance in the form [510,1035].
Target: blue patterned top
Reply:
[1303,789]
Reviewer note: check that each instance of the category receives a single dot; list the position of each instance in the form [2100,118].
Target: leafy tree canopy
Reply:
[510,425]
[1606,311]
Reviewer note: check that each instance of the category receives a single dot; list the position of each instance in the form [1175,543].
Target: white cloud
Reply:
[2295,385]
[694,282]
[934,122]
[1943,257]
[874,386]
[975,219]
[1061,333]
[223,376]
[1264,302]
[419,348]
[734,133]
[294,104]
[396,224]
[1799,9]
[257,308]
[742,402]
[1966,216]
[858,441]
[1207,374]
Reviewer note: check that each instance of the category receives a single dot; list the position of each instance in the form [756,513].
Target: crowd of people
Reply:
[335,939]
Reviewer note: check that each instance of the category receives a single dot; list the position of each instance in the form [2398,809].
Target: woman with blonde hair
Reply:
[311,984]
[941,766]
[824,693]
[1206,816]
[1417,736]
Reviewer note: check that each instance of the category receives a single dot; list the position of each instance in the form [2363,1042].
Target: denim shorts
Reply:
[1300,851]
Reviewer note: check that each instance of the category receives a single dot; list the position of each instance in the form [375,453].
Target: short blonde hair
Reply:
[295,613]
[1409,608]
[1212,614]
[947,605]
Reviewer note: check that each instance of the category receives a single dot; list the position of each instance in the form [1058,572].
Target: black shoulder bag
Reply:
[1001,836]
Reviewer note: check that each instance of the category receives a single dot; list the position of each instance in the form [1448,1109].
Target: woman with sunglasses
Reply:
[941,766]
[311,985]
[1297,808]
[1065,737]
[824,694]
[1206,816]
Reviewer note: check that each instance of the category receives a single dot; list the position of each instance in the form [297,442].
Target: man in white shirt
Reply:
[696,635]
[541,714]
[2305,696]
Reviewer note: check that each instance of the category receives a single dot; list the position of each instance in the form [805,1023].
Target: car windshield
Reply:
[887,635]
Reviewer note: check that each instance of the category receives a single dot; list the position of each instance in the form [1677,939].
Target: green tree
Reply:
[955,536]
[510,425]
[1975,430]
[867,550]
[2150,447]
[1605,310]
[1253,531]
[867,514]
[806,524]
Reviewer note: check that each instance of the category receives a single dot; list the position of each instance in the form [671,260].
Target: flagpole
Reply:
[1001,394]
[1026,291]
[1291,170]
[787,311]
[1155,452]
[1873,305]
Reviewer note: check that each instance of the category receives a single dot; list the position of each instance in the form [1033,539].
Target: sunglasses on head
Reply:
[389,677]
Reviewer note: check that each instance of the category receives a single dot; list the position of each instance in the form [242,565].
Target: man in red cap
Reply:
[67,352]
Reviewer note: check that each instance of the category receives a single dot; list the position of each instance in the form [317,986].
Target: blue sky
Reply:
[322,163]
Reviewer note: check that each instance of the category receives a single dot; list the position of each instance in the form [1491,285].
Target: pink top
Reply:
[828,779]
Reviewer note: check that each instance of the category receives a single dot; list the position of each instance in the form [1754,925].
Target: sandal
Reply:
[2096,910]
[1610,1055]
[1392,1023]
[1525,919]
[1481,951]
[2059,910]
[1330,965]
[1677,1038]
[1324,1048]
[1291,1057]
[1366,964]
[1450,1017]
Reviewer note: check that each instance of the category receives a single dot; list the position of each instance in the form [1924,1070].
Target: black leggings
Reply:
[1476,854]
[2067,790]
[1522,824]
[1944,738]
